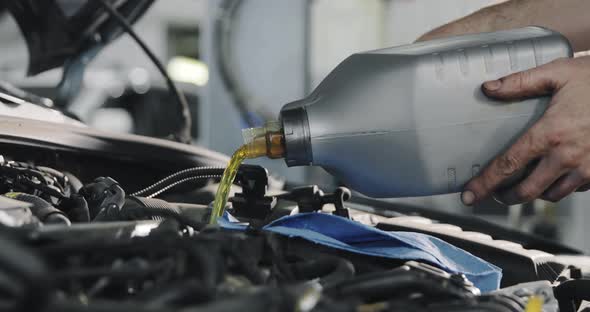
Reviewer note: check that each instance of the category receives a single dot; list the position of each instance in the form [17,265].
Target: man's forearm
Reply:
[569,17]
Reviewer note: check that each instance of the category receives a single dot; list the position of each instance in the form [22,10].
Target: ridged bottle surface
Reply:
[413,121]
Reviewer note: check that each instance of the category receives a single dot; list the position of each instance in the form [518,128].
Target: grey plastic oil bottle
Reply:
[412,120]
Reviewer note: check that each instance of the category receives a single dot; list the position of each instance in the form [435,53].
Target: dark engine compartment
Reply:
[98,232]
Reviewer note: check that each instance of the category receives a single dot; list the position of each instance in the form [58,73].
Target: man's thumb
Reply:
[530,83]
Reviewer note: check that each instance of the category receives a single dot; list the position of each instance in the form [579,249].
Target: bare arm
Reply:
[569,17]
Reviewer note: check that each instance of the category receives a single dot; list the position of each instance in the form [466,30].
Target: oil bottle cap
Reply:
[295,127]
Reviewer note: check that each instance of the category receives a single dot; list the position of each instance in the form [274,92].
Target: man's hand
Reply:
[559,140]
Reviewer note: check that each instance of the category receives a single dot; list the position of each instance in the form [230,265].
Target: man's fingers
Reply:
[542,80]
[543,176]
[564,186]
[528,147]
[533,144]
[558,139]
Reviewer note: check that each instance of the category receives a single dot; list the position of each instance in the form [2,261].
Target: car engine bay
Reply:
[77,242]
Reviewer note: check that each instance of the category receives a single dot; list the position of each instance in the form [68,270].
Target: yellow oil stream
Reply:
[256,148]
[535,304]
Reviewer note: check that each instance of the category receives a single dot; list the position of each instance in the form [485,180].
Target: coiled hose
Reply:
[191,174]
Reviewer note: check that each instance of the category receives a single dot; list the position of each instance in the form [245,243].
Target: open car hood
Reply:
[62,31]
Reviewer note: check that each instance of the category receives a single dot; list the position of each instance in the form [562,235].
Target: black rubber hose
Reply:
[183,134]
[41,209]
[375,287]
[52,171]
[76,207]
[222,32]
[138,208]
[197,225]
[75,183]
[329,270]
[62,182]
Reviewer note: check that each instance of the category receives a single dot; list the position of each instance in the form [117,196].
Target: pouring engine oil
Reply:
[410,120]
[267,143]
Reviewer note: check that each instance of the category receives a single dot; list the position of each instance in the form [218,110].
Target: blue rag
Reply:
[341,233]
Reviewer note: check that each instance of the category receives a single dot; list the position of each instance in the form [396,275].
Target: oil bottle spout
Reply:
[266,141]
